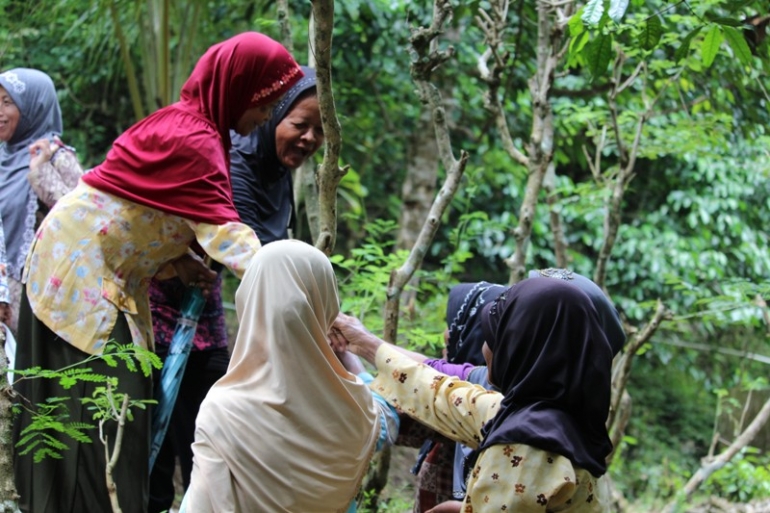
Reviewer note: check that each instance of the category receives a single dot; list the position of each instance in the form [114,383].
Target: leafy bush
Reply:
[745,478]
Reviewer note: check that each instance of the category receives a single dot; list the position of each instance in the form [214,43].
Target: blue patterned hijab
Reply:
[34,94]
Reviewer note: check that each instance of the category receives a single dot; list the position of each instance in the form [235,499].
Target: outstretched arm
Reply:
[349,331]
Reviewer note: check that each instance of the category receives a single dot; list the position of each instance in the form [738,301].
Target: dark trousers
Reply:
[76,483]
[203,369]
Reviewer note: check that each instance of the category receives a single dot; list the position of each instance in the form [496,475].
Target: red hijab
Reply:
[176,160]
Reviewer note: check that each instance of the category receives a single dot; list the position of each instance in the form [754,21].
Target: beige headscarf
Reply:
[287,429]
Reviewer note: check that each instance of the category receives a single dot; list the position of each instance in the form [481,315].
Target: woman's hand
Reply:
[350,361]
[446,507]
[359,340]
[39,153]
[195,273]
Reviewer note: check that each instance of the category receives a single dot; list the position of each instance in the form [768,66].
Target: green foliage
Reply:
[50,422]
[50,417]
[671,426]
[743,479]
[695,215]
[367,270]
[710,47]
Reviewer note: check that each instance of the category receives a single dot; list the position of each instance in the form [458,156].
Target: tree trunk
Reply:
[419,186]
[417,192]
[541,143]
[329,174]
[8,493]
[305,178]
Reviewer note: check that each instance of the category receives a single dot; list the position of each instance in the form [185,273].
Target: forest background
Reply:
[626,140]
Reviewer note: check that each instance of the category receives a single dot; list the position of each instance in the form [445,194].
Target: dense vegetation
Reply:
[695,202]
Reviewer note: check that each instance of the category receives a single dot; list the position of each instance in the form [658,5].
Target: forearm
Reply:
[232,244]
[454,408]
[459,370]
[367,348]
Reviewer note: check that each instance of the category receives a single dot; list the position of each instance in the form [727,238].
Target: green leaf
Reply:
[599,54]
[738,44]
[593,12]
[575,25]
[651,33]
[710,45]
[577,44]
[684,48]
[727,22]
[618,9]
[737,6]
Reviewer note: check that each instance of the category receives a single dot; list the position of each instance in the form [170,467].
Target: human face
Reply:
[487,353]
[253,118]
[9,116]
[300,133]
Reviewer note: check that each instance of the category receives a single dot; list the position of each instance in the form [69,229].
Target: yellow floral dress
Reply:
[94,255]
[511,477]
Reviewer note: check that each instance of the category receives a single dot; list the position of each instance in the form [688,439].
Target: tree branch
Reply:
[425,59]
[711,465]
[541,142]
[622,369]
[283,12]
[329,174]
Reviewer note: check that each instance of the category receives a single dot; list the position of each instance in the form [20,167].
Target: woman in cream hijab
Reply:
[288,428]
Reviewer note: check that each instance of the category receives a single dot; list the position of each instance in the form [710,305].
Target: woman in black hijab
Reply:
[540,442]
[261,163]
[260,176]
[464,304]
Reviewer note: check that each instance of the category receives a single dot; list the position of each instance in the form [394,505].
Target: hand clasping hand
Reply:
[195,273]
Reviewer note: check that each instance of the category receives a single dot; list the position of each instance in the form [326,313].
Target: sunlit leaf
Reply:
[575,24]
[577,44]
[593,12]
[710,45]
[617,9]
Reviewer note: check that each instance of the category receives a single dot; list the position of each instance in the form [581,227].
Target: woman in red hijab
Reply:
[163,189]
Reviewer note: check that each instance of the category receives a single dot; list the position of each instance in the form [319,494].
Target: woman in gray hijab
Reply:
[35,167]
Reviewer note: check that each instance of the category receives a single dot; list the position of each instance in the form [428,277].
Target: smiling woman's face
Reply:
[300,134]
[9,116]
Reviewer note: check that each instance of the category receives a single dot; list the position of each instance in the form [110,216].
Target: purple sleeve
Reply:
[460,370]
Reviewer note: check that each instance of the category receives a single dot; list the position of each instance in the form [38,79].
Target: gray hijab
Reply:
[34,94]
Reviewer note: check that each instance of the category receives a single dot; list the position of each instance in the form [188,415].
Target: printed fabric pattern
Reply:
[542,481]
[95,254]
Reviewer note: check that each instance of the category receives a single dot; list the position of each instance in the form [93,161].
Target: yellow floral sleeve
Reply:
[457,409]
[232,244]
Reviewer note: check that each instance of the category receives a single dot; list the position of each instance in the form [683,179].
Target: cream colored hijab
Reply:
[287,429]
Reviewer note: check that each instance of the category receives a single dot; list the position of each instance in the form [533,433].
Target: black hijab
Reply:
[262,187]
[608,315]
[462,318]
[552,362]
